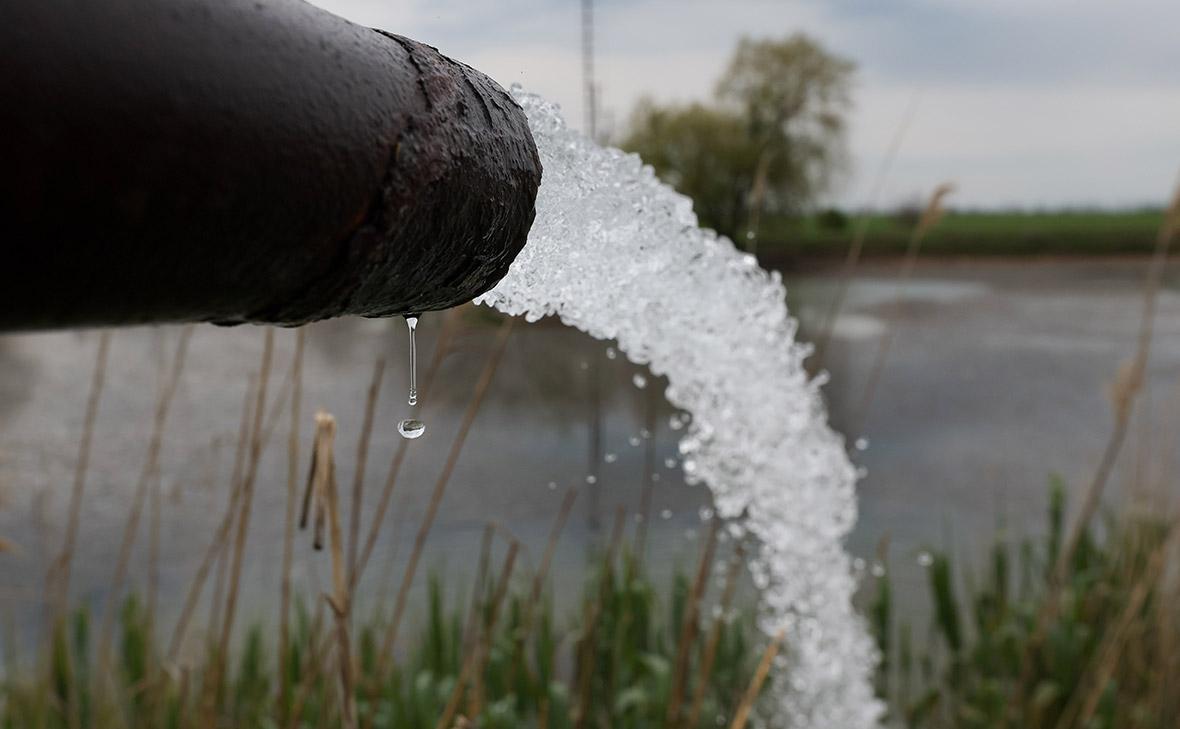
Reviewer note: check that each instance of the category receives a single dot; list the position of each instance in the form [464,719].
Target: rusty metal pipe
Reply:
[245,161]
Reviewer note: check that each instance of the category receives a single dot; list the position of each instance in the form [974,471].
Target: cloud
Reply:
[1022,101]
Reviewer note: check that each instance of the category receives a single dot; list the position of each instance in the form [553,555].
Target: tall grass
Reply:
[624,656]
[1105,657]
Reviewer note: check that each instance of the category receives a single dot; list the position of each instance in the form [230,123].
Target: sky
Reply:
[1020,103]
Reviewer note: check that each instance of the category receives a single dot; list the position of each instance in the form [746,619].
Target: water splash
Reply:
[619,255]
[412,428]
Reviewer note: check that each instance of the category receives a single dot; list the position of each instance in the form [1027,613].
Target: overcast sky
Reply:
[1023,103]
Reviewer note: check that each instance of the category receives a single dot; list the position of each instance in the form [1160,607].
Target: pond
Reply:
[994,381]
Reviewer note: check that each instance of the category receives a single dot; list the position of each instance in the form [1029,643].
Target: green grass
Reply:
[1010,645]
[972,233]
[610,664]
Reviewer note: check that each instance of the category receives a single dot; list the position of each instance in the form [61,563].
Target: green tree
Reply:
[771,143]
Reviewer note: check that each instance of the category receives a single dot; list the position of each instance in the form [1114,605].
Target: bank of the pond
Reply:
[1063,233]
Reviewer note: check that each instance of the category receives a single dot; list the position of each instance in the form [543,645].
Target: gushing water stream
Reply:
[617,254]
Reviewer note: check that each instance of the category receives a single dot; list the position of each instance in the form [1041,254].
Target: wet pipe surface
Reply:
[210,160]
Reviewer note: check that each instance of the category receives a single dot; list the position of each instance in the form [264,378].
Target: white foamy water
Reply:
[617,254]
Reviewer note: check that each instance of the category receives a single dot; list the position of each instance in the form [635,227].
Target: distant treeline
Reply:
[1064,232]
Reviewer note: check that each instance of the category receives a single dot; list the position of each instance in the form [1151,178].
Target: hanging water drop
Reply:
[412,428]
[412,326]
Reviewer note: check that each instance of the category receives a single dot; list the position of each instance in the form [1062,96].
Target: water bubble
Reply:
[552,485]
[591,479]
[610,457]
[862,444]
[411,428]
[639,381]
[666,514]
[925,559]
[634,441]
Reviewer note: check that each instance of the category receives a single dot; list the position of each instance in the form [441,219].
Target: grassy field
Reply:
[970,233]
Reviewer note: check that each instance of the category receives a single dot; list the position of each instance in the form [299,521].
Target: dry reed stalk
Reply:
[755,687]
[594,453]
[474,659]
[316,658]
[362,458]
[1124,391]
[1128,383]
[214,550]
[852,259]
[563,513]
[441,348]
[153,589]
[247,500]
[690,627]
[58,580]
[340,601]
[930,217]
[440,487]
[588,650]
[649,469]
[714,639]
[289,521]
[1107,657]
[757,200]
[149,471]
[471,627]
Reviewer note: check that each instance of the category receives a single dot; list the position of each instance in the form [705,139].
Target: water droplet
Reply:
[412,326]
[858,564]
[411,428]
[675,423]
[878,569]
[591,479]
[552,485]
[639,381]
[645,433]
[666,514]
[655,477]
[669,463]
[611,353]
[634,441]
[610,457]
[862,444]
[925,559]
[706,513]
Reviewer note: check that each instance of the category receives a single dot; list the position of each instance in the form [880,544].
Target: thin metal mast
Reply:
[590,96]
